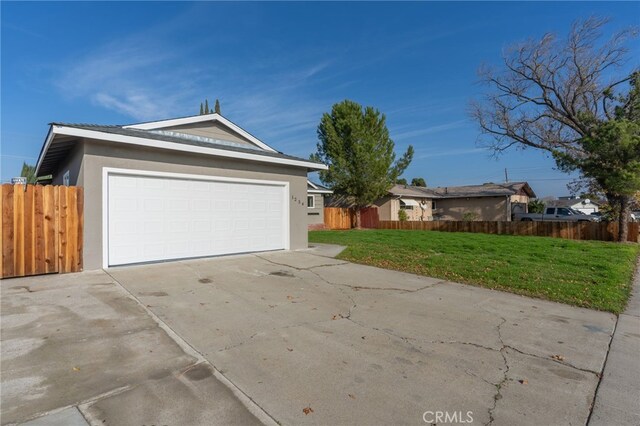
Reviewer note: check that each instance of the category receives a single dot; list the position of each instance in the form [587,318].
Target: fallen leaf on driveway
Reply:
[523,382]
[76,369]
[352,396]
[290,349]
[307,410]
[289,297]
[558,357]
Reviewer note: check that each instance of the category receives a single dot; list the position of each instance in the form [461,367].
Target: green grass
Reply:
[591,274]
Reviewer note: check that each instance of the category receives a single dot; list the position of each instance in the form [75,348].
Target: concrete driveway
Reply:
[304,338]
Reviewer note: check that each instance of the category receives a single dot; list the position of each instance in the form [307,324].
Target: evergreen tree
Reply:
[29,172]
[355,143]
[418,182]
[216,108]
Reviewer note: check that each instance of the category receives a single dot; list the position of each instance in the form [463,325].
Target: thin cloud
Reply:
[450,153]
[429,130]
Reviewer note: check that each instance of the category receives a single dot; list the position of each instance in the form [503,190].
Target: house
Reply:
[178,188]
[316,195]
[415,201]
[486,202]
[585,205]
[491,202]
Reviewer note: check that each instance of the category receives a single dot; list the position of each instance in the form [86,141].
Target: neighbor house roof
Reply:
[409,191]
[569,203]
[316,188]
[62,137]
[484,190]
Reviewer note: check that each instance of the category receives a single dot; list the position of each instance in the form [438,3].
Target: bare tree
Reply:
[552,92]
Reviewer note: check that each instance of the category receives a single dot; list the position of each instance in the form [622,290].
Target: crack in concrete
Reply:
[353,287]
[498,395]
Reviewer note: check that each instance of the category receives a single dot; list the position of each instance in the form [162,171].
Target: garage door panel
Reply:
[160,218]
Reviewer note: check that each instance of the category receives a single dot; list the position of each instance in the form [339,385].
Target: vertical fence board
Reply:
[18,237]
[62,229]
[80,228]
[50,230]
[7,230]
[29,258]
[39,230]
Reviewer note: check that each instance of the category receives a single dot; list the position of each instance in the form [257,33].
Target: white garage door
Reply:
[152,218]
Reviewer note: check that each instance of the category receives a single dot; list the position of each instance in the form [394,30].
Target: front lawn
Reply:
[592,274]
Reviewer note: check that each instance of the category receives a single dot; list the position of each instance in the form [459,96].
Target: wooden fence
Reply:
[567,230]
[338,218]
[41,229]
[343,218]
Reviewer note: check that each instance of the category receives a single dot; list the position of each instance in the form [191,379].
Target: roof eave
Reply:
[45,148]
[152,143]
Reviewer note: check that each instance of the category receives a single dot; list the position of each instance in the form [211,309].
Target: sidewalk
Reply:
[618,396]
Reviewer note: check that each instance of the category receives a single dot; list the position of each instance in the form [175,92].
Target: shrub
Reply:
[470,216]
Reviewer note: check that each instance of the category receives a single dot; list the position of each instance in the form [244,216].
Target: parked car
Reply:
[556,214]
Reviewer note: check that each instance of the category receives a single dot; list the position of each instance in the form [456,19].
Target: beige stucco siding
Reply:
[99,155]
[315,214]
[388,208]
[384,208]
[518,198]
[211,130]
[485,208]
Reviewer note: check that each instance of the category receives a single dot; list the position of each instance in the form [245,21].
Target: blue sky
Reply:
[276,67]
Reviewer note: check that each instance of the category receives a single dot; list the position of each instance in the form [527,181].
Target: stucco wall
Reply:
[315,215]
[485,208]
[101,154]
[384,208]
[520,199]
[388,208]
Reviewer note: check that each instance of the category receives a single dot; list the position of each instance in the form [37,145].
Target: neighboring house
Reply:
[491,202]
[316,194]
[178,188]
[585,206]
[415,201]
[486,202]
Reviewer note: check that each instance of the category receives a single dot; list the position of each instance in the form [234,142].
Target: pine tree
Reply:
[217,107]
[206,106]
[355,143]
[201,109]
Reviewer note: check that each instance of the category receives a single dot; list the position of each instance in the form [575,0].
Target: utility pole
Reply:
[506,176]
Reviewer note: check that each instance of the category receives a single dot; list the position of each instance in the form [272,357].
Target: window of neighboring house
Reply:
[66,179]
[311,201]
[433,205]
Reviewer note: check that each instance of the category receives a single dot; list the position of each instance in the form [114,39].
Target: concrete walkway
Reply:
[618,397]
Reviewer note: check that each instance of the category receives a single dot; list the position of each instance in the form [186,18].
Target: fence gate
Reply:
[42,228]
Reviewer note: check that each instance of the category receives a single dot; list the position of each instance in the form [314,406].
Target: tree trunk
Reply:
[358,223]
[623,219]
